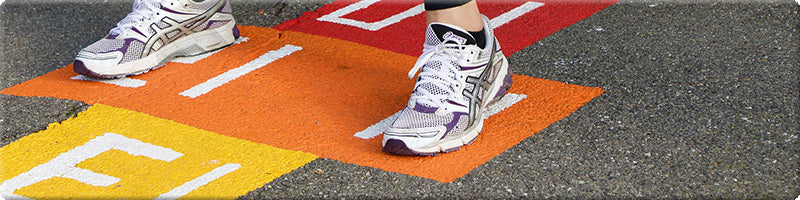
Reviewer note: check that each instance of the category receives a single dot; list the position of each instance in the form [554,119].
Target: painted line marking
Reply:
[124,82]
[507,101]
[377,129]
[336,16]
[200,181]
[65,164]
[514,14]
[234,73]
[80,158]
[193,59]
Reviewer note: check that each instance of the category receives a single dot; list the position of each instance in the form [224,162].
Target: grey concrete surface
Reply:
[701,102]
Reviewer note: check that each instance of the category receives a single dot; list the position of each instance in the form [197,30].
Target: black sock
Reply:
[441,30]
[480,38]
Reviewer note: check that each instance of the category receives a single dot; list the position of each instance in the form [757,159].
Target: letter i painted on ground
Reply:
[234,73]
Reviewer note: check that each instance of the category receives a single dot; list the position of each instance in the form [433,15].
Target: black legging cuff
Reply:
[443,4]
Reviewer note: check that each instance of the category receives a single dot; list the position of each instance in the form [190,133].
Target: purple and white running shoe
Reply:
[457,81]
[155,32]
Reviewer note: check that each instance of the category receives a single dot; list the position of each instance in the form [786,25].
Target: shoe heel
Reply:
[236,33]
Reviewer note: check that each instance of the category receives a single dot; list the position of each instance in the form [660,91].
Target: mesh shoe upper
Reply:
[456,80]
[449,57]
[151,25]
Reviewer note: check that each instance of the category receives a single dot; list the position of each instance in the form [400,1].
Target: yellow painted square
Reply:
[249,165]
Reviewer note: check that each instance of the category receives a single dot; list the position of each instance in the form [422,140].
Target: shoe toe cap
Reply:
[97,65]
[398,147]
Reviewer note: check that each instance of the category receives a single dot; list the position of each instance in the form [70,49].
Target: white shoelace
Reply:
[447,77]
[142,10]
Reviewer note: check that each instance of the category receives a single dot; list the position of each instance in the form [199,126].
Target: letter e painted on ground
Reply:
[64,164]
[112,153]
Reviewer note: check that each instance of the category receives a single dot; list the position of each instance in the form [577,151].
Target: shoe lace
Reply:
[142,10]
[445,77]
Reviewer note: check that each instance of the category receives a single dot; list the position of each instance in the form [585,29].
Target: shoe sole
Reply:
[193,44]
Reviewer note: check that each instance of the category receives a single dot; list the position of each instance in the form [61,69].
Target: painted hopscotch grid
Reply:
[315,100]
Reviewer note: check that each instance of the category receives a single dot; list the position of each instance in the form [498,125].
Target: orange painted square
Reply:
[315,100]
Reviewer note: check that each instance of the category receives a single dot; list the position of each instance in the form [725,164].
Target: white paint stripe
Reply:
[376,129]
[200,181]
[193,59]
[514,13]
[124,82]
[336,16]
[507,101]
[89,177]
[14,197]
[232,74]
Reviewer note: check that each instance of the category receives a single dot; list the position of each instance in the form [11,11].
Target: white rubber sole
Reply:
[193,44]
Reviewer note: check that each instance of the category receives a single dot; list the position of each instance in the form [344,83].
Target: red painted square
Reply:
[407,35]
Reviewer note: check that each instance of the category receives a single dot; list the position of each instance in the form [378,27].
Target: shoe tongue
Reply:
[444,31]
[141,4]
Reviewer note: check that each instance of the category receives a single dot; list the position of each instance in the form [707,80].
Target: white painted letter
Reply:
[514,14]
[199,181]
[234,73]
[64,164]
[336,16]
[124,82]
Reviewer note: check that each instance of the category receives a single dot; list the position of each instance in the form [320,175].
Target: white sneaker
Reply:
[457,81]
[155,32]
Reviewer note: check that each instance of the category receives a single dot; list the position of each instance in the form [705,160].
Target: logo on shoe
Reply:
[450,35]
[482,84]
[175,30]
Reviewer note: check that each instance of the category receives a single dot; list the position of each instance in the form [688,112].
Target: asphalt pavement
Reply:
[701,101]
